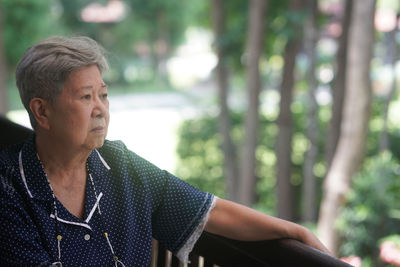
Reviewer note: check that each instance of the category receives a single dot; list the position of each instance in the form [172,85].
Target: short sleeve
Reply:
[177,208]
[181,210]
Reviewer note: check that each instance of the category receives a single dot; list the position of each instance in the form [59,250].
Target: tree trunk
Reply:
[284,139]
[228,148]
[350,151]
[162,48]
[253,51]
[3,69]
[309,213]
[338,87]
[390,62]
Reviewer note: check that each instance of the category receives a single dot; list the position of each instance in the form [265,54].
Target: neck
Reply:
[60,162]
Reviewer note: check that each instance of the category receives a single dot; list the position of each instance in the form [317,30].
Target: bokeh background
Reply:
[290,107]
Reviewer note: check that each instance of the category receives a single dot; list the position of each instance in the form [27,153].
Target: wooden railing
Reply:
[211,249]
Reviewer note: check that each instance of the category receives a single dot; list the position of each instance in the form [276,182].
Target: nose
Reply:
[100,107]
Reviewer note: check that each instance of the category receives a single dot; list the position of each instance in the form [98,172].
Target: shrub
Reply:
[372,209]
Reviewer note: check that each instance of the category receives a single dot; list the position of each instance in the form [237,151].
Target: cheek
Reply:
[80,120]
[107,115]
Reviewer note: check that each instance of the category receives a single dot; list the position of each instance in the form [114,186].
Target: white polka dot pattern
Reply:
[139,201]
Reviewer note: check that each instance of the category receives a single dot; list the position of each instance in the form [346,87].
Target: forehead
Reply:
[84,78]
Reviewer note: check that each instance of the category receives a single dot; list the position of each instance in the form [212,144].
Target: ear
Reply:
[40,109]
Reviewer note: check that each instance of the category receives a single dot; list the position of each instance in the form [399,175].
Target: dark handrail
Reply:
[213,248]
[279,252]
[225,252]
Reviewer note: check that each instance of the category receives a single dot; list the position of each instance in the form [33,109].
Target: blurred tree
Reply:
[23,22]
[228,147]
[357,102]
[309,212]
[149,32]
[164,23]
[390,61]
[286,209]
[338,87]
[27,22]
[254,47]
[229,45]
[200,159]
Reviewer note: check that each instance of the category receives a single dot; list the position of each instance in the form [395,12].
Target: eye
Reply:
[87,97]
[104,96]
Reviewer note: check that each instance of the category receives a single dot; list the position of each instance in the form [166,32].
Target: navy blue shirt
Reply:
[138,201]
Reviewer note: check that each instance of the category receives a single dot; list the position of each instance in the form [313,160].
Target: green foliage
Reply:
[27,22]
[200,160]
[200,156]
[376,128]
[147,21]
[286,22]
[233,40]
[161,19]
[395,238]
[278,23]
[394,140]
[372,208]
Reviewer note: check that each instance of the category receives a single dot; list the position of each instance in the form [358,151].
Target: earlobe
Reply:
[39,108]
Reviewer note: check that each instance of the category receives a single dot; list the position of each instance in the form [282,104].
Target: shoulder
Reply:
[9,168]
[113,147]
[115,153]
[10,154]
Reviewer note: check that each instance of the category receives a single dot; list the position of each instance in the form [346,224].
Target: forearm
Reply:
[239,222]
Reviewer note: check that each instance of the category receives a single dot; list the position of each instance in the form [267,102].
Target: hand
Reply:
[307,237]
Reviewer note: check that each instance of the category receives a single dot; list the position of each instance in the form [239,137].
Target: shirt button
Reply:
[87,237]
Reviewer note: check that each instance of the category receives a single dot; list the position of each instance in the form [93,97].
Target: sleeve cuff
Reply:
[184,251]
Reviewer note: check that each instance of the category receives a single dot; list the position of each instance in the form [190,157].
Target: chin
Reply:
[100,143]
[96,143]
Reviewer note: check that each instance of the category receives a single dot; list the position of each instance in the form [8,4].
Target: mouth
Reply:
[99,129]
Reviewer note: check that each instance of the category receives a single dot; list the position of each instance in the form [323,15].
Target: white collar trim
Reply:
[21,171]
[102,160]
[94,208]
[69,222]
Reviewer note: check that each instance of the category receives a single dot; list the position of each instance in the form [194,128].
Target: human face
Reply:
[80,115]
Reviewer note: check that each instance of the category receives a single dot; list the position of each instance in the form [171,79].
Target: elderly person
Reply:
[70,197]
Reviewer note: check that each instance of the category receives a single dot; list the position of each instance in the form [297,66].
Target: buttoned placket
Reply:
[63,216]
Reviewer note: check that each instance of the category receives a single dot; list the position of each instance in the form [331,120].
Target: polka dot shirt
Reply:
[137,200]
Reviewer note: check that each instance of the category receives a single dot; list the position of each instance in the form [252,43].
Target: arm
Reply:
[235,221]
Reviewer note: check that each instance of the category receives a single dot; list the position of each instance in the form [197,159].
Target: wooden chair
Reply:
[211,250]
[11,133]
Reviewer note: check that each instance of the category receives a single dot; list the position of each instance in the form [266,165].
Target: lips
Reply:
[98,129]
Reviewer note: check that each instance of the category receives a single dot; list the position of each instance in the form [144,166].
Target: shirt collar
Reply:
[34,178]
[32,172]
[98,167]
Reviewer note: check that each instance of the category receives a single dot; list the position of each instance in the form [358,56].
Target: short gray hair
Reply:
[44,67]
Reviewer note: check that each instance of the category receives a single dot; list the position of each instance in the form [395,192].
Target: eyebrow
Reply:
[90,87]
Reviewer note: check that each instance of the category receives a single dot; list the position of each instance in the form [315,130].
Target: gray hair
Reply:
[44,67]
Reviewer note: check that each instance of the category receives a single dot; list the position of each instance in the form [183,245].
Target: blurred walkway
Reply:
[148,124]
